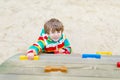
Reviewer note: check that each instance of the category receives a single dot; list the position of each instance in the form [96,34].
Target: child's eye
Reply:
[59,32]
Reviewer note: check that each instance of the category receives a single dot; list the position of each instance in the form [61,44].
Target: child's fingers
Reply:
[30,56]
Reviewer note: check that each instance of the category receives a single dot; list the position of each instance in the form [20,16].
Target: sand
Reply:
[90,25]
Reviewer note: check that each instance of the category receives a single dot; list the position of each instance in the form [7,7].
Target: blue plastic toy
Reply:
[97,56]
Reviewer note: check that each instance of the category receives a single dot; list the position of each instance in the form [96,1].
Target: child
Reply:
[51,40]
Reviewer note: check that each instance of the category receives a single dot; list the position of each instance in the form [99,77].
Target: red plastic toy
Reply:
[118,64]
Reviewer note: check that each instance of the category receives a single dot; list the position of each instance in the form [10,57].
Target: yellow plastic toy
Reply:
[36,58]
[23,57]
[104,53]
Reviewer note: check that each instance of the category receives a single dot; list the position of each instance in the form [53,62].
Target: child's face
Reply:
[55,36]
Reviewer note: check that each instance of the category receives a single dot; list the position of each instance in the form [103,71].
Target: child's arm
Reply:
[36,47]
[67,47]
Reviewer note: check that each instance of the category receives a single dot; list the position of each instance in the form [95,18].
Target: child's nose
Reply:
[56,33]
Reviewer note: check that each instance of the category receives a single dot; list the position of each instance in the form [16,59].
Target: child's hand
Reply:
[61,51]
[30,56]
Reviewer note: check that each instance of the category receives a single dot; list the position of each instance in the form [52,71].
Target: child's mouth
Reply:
[56,39]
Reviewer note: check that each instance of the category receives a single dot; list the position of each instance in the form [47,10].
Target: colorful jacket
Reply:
[47,45]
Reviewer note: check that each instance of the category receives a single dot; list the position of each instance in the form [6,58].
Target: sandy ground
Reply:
[90,25]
